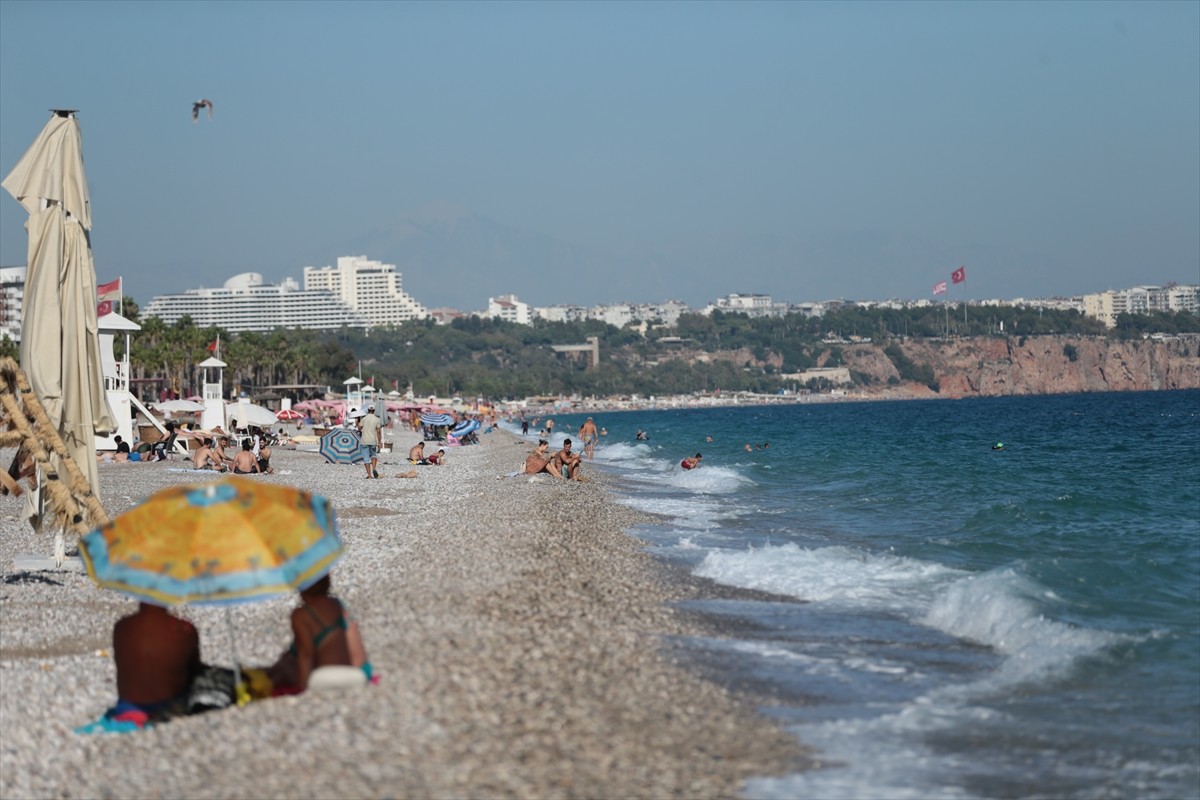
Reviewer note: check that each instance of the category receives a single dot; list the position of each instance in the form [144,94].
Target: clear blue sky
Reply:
[806,150]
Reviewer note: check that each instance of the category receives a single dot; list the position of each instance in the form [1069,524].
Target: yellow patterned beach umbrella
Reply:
[228,541]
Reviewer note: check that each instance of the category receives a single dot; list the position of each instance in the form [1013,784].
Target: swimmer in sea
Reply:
[691,463]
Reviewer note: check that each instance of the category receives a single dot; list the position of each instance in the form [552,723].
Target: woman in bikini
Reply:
[539,459]
[323,637]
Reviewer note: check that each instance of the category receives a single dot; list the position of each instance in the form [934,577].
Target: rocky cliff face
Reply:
[991,366]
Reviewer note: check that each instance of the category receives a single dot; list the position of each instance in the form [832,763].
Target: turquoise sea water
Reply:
[977,623]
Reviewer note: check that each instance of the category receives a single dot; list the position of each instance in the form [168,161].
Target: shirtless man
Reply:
[691,463]
[416,455]
[244,463]
[206,458]
[565,458]
[539,460]
[588,434]
[157,656]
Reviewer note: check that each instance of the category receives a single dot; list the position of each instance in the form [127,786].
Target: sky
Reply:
[682,150]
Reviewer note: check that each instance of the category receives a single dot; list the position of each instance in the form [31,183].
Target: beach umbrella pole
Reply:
[239,689]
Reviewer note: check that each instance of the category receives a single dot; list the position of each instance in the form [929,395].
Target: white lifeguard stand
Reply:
[116,378]
[214,403]
[354,394]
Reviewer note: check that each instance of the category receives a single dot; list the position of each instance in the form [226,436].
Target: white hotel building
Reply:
[245,303]
[371,288]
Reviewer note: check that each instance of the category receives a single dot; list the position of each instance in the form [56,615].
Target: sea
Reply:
[955,619]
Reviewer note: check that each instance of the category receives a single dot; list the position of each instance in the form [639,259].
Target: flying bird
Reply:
[199,104]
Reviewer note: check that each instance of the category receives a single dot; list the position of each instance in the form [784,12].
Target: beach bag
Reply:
[213,688]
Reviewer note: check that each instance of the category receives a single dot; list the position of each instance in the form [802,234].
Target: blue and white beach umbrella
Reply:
[341,446]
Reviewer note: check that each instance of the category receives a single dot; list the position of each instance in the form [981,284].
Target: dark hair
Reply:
[566,442]
[247,444]
[699,456]
[542,442]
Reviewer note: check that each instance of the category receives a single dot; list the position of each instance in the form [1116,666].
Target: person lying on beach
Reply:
[416,454]
[437,459]
[157,656]
[691,463]
[566,463]
[539,460]
[118,458]
[244,463]
[323,636]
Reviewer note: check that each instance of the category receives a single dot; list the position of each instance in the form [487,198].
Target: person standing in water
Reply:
[589,435]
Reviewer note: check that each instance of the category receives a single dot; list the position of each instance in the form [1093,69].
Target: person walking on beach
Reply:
[589,435]
[371,432]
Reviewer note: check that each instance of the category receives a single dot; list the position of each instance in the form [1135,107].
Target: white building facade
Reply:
[1105,306]
[371,288]
[508,308]
[12,293]
[245,303]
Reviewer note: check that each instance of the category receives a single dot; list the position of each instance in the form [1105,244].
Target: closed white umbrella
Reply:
[60,347]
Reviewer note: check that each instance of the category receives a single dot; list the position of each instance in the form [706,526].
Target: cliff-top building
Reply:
[372,289]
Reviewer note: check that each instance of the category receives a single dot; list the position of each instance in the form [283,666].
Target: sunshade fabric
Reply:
[60,349]
[341,446]
[228,541]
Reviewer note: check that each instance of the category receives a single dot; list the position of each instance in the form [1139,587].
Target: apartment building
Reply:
[12,293]
[371,288]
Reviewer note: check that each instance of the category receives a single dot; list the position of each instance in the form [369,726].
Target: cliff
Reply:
[991,366]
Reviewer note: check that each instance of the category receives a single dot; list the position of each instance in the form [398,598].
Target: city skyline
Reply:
[588,153]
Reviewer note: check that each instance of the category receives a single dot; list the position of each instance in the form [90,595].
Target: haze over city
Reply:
[601,152]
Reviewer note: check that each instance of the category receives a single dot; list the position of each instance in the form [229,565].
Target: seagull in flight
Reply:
[199,104]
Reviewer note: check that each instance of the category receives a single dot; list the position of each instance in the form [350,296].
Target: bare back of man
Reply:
[156,654]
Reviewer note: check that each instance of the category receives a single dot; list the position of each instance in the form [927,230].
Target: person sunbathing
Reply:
[206,457]
[416,454]
[157,657]
[244,463]
[565,460]
[322,637]
[539,460]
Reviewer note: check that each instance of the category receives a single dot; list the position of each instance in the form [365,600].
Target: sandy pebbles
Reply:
[517,629]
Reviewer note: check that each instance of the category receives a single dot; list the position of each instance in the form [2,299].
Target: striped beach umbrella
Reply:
[341,446]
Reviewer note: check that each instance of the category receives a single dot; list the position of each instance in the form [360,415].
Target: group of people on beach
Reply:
[253,458]
[563,465]
[160,674]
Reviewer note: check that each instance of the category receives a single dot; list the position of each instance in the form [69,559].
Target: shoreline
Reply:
[523,637]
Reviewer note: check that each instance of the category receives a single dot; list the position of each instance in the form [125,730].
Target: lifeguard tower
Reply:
[116,378]
[213,415]
[354,394]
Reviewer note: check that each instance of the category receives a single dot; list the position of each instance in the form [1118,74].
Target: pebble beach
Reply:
[522,638]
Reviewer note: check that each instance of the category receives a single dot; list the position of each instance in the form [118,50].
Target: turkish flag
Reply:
[959,275]
[104,308]
[212,348]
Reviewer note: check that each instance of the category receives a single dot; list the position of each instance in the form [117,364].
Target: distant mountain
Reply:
[452,257]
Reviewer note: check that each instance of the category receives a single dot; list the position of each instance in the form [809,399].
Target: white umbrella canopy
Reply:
[60,347]
[178,406]
[250,414]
